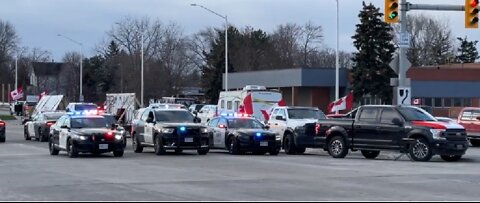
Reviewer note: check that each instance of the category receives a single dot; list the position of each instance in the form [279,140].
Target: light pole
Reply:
[141,66]
[337,63]
[226,41]
[81,64]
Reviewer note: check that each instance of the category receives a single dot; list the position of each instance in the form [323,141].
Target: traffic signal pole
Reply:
[403,89]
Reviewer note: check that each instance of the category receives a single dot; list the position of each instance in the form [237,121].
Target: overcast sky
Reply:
[38,22]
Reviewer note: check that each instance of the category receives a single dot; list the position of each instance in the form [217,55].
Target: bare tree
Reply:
[69,75]
[8,45]
[311,41]
[285,39]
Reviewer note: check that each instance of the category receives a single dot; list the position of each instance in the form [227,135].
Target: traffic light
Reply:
[471,13]
[391,11]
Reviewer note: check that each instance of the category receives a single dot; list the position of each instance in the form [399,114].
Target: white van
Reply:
[252,99]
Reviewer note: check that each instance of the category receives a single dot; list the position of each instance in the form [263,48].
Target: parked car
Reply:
[195,107]
[206,113]
[469,118]
[446,120]
[39,126]
[384,127]
[3,128]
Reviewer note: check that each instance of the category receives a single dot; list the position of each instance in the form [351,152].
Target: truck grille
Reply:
[456,135]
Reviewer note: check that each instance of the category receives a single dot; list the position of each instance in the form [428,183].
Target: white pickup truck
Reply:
[285,119]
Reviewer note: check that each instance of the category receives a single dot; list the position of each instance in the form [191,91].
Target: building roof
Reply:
[448,72]
[313,77]
[47,68]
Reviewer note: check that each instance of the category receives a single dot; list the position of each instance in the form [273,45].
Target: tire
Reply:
[289,145]
[71,149]
[137,148]
[451,158]
[337,147]
[178,151]
[301,150]
[2,139]
[203,151]
[124,142]
[370,154]
[40,137]
[234,147]
[118,153]
[159,150]
[274,152]
[53,150]
[421,150]
[475,143]
[26,135]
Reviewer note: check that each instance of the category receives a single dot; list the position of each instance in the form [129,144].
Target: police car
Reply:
[169,128]
[240,133]
[85,132]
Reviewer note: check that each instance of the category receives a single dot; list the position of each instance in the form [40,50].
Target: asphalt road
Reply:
[28,172]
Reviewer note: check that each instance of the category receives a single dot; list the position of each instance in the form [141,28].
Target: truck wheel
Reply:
[26,135]
[203,151]
[118,153]
[234,147]
[451,158]
[159,150]
[421,150]
[53,150]
[137,148]
[475,143]
[370,154]
[2,138]
[289,144]
[337,147]
[71,149]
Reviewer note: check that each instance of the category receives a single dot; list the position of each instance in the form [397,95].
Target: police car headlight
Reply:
[167,130]
[204,130]
[82,138]
[118,137]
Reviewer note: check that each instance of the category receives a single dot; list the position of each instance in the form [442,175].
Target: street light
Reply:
[226,41]
[81,63]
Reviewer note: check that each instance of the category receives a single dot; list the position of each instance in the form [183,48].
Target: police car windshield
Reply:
[99,122]
[244,123]
[415,114]
[174,116]
[305,114]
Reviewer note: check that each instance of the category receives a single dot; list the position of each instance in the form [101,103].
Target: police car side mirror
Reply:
[197,120]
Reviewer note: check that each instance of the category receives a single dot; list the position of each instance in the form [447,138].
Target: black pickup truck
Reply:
[376,128]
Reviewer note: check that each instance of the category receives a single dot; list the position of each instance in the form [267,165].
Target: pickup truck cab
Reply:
[375,128]
[286,118]
[469,118]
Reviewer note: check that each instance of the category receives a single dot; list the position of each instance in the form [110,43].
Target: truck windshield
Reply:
[174,116]
[244,123]
[415,114]
[89,123]
[305,114]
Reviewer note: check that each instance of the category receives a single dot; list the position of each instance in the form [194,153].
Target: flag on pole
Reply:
[344,103]
[17,94]
[43,94]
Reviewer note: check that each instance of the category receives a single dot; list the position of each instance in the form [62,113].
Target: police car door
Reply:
[149,125]
[55,130]
[222,132]
[217,136]
[64,133]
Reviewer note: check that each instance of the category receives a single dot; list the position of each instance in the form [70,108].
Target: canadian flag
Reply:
[344,103]
[17,94]
[43,94]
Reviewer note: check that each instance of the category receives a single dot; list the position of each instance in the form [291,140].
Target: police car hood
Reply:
[173,125]
[89,131]
[253,131]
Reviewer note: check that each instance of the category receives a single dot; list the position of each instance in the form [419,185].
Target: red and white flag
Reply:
[43,94]
[344,103]
[17,94]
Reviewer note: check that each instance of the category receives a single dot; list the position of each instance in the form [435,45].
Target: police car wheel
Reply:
[2,138]
[26,135]
[159,150]
[137,148]
[40,137]
[118,153]
[53,150]
[203,151]
[71,149]
[234,147]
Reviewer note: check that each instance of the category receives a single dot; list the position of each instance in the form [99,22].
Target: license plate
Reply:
[263,144]
[189,139]
[459,146]
[103,146]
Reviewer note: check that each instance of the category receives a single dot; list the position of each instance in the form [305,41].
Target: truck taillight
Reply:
[2,123]
[50,124]
[317,128]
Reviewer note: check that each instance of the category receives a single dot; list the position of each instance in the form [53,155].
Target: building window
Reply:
[229,105]
[467,102]
[222,104]
[447,102]
[438,102]
[428,102]
[457,102]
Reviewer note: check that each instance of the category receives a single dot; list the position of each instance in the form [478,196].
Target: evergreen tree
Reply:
[467,52]
[374,42]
